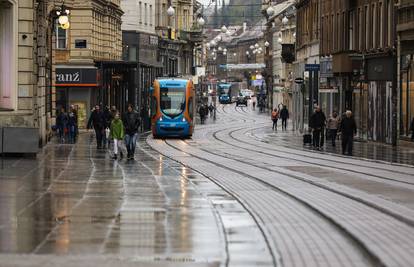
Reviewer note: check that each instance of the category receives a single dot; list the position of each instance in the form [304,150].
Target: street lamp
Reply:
[270,11]
[256,45]
[251,47]
[267,44]
[224,29]
[201,21]
[170,11]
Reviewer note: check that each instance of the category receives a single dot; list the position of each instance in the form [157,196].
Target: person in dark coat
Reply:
[131,123]
[317,124]
[72,124]
[62,124]
[348,129]
[202,112]
[284,115]
[97,121]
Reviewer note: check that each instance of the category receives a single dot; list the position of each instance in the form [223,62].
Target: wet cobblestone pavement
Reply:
[74,206]
[236,194]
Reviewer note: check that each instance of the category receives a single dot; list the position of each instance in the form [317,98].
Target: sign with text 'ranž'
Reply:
[76,77]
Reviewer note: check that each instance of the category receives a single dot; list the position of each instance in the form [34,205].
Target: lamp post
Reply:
[61,15]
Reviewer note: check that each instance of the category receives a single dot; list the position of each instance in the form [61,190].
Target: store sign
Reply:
[76,77]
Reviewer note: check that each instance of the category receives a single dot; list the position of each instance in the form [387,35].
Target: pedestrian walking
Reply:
[117,134]
[348,130]
[284,115]
[412,129]
[72,124]
[332,126]
[62,124]
[317,124]
[97,121]
[211,109]
[202,113]
[107,114]
[254,104]
[131,123]
[275,117]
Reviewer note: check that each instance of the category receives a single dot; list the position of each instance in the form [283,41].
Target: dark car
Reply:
[241,100]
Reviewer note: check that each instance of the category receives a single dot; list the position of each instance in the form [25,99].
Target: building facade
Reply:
[357,43]
[306,66]
[140,45]
[177,33]
[24,81]
[405,28]
[94,36]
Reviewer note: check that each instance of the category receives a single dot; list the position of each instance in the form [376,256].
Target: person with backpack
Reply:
[275,117]
[131,123]
[117,134]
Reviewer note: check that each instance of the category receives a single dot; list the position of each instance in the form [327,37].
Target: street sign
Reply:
[299,80]
[312,67]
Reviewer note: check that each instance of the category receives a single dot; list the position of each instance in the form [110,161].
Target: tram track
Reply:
[309,155]
[374,259]
[281,154]
[377,255]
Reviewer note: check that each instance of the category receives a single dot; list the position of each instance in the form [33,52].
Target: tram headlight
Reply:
[184,120]
[160,119]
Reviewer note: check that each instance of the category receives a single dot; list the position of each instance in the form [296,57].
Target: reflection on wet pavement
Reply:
[75,200]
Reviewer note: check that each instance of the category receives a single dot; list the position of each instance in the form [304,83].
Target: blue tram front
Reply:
[172,108]
[224,90]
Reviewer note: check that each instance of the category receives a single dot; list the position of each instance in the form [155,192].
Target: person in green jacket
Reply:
[117,134]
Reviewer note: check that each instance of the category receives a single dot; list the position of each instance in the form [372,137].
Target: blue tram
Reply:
[224,92]
[172,108]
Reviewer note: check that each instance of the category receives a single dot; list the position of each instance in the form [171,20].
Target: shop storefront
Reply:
[77,86]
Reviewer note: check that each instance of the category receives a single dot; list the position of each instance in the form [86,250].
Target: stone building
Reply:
[140,45]
[178,35]
[306,66]
[357,41]
[281,29]
[94,36]
[405,28]
[24,80]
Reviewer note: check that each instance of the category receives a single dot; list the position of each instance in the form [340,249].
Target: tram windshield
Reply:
[224,89]
[172,101]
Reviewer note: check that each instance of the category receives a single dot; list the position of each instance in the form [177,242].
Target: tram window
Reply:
[153,106]
[190,107]
[172,101]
